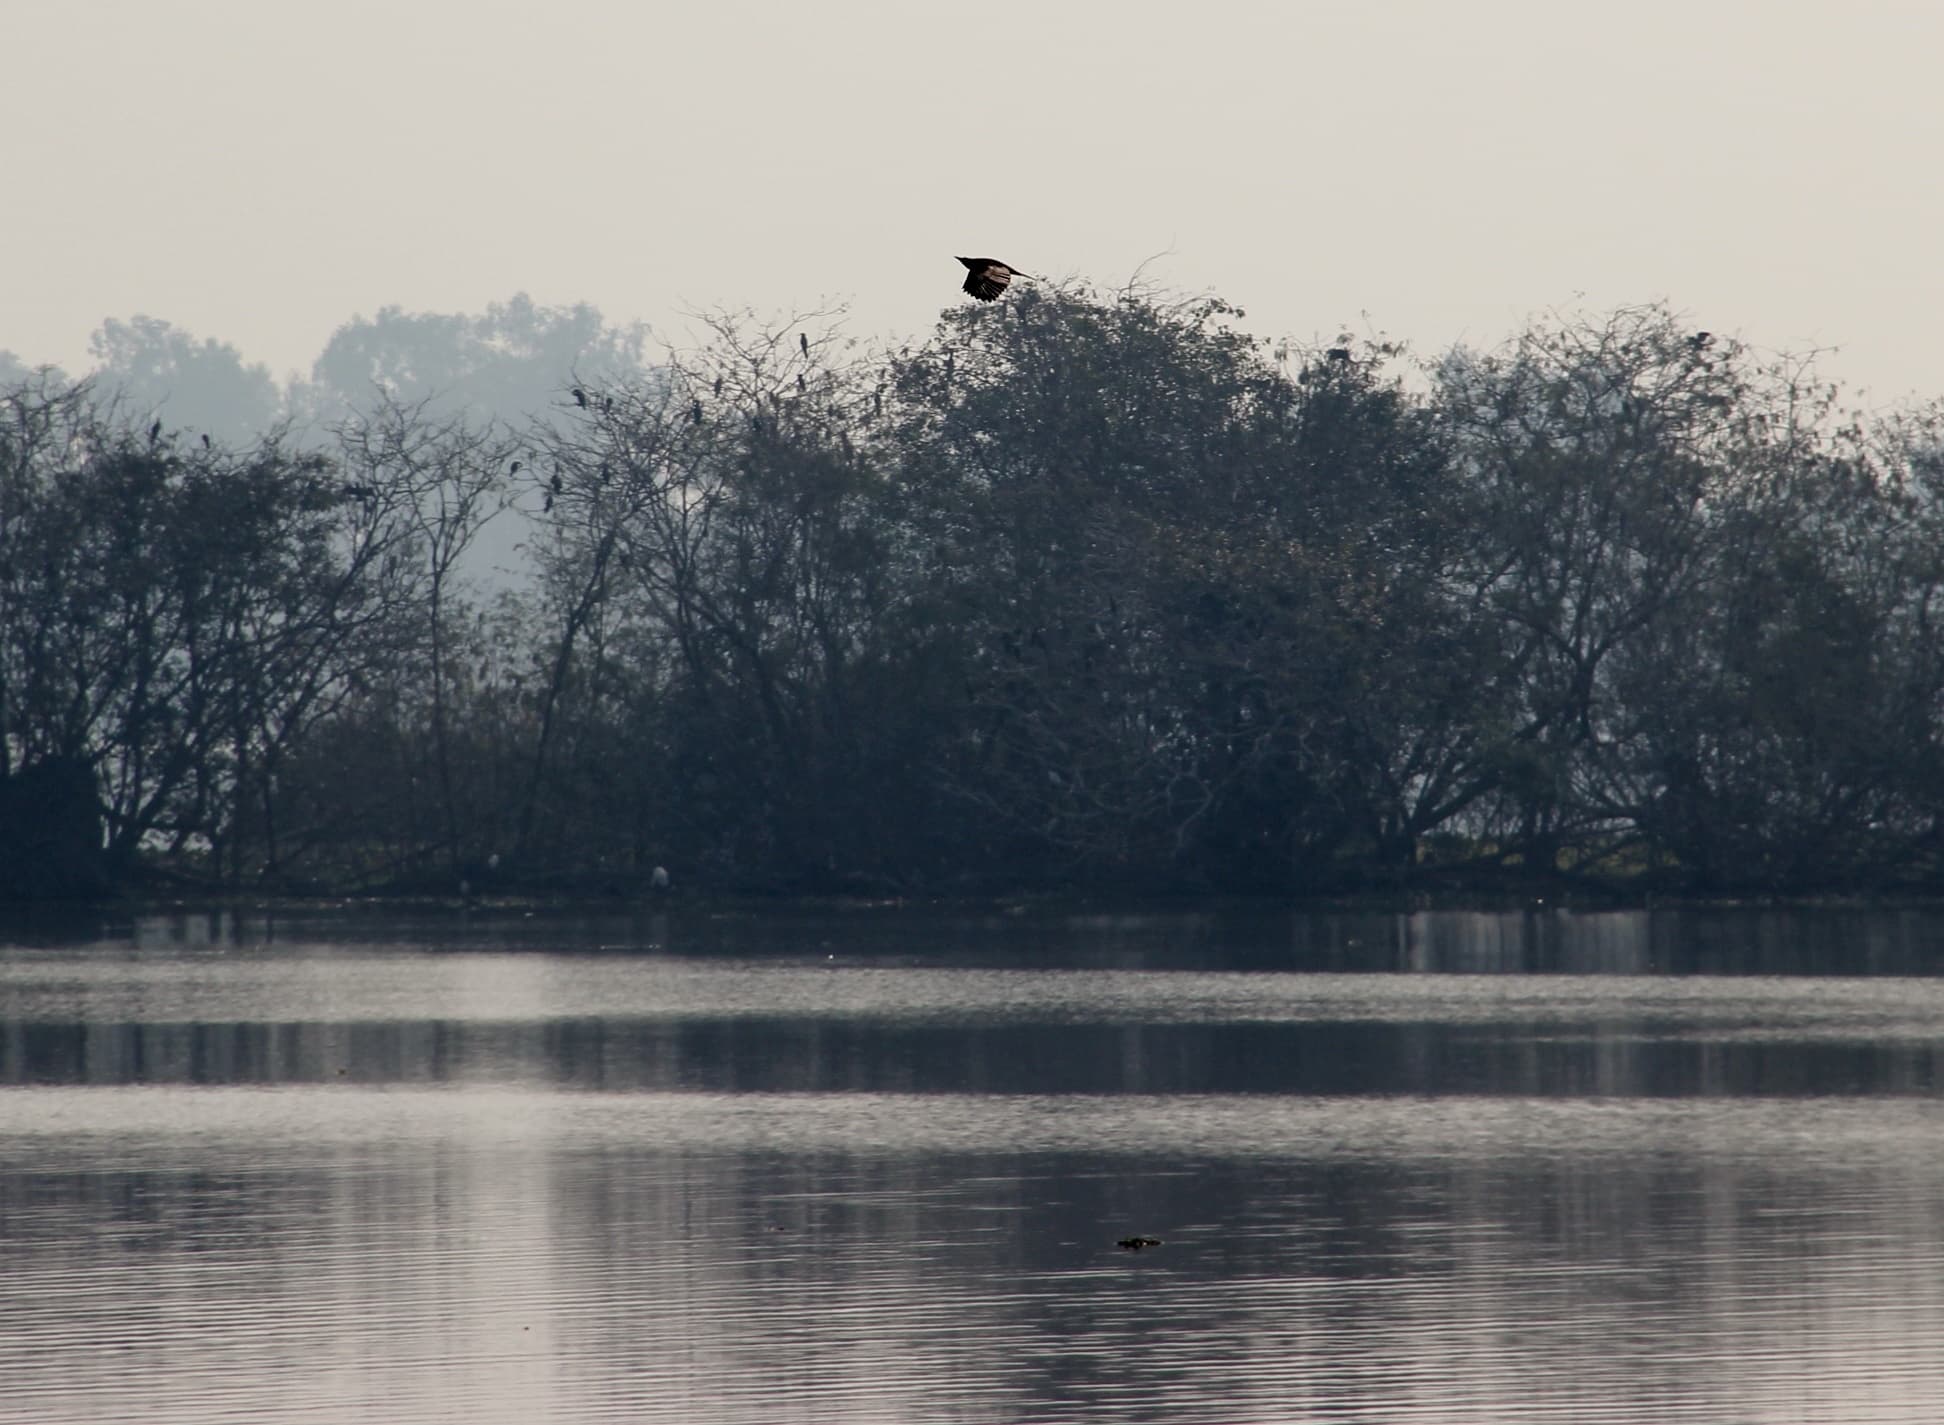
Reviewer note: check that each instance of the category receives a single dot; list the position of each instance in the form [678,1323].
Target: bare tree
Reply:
[441,479]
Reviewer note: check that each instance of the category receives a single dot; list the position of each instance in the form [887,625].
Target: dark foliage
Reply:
[1084,591]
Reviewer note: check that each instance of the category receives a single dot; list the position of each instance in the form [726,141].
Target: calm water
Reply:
[1446,1167]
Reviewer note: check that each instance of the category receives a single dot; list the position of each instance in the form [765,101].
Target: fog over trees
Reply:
[506,364]
[1087,589]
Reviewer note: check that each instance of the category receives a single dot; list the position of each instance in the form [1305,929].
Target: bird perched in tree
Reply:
[987,276]
[205,440]
[803,340]
[155,431]
[580,398]
[695,413]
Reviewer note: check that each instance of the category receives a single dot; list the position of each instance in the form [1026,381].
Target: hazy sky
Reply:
[259,172]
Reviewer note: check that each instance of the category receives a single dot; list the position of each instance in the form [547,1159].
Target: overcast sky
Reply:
[260,172]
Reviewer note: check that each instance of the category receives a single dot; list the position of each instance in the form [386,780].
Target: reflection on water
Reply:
[761,1170]
[1834,941]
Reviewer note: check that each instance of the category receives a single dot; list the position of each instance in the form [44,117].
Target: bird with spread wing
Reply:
[986,277]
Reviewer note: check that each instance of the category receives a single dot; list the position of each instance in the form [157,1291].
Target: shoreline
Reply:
[1016,905]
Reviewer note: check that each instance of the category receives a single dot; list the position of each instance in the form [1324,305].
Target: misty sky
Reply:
[261,172]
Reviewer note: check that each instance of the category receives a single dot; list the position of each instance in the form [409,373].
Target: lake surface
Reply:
[1450,1167]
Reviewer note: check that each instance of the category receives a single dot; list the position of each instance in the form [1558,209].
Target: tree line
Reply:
[1084,590]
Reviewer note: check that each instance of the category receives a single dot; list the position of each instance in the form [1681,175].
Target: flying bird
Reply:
[987,276]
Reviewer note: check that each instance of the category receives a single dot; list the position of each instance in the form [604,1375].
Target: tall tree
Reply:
[506,363]
[442,479]
[159,370]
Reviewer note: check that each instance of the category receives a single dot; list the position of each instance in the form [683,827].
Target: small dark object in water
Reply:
[1135,1244]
